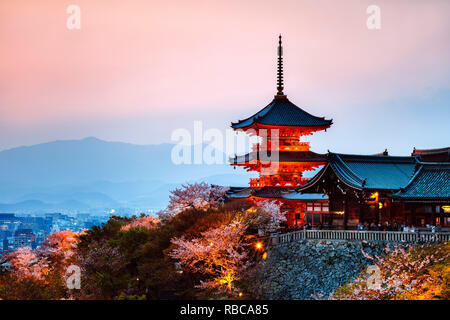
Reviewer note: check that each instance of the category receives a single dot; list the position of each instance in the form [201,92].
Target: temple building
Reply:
[382,189]
[426,197]
[349,190]
[280,157]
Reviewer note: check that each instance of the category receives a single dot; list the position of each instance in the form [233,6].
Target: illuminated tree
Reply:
[31,277]
[413,273]
[273,210]
[199,196]
[148,222]
[28,265]
[218,253]
[266,216]
[60,244]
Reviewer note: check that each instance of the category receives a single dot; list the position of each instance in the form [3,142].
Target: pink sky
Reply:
[139,69]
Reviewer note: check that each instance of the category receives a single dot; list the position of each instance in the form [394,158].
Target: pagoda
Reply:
[280,157]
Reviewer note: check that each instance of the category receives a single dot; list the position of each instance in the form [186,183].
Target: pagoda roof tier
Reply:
[283,156]
[366,172]
[282,112]
[263,192]
[238,192]
[305,196]
[430,183]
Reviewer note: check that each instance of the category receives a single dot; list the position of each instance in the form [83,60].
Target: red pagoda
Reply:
[280,157]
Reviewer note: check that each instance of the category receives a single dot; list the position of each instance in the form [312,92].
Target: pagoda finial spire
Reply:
[280,85]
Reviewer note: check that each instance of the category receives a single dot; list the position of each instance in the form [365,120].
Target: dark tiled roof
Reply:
[283,156]
[374,172]
[305,196]
[238,193]
[271,192]
[432,155]
[368,172]
[431,182]
[262,192]
[282,112]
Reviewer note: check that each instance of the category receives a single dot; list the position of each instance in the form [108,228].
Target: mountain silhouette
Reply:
[73,175]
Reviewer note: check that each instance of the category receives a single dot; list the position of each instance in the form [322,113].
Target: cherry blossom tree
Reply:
[217,194]
[148,222]
[404,274]
[43,267]
[218,253]
[28,265]
[266,216]
[200,196]
[102,267]
[61,244]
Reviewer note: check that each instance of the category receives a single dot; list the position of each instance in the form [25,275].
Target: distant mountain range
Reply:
[94,175]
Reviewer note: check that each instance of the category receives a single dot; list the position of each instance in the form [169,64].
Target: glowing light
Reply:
[240,294]
[446,209]
[380,205]
[258,245]
[264,256]
[373,198]
[227,279]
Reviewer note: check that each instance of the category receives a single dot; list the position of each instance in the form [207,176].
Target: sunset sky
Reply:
[139,69]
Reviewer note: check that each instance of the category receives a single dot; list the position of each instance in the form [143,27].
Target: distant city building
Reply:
[24,238]
[5,245]
[27,230]
[8,221]
[7,216]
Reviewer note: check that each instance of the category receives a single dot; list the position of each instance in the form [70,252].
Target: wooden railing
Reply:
[352,235]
